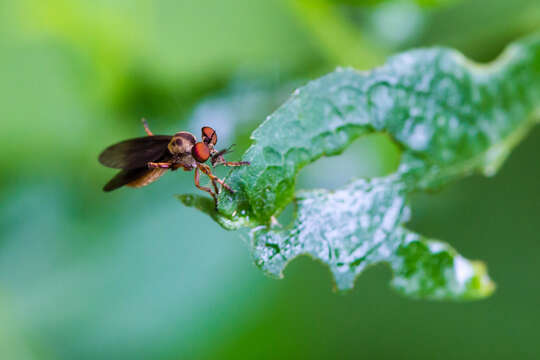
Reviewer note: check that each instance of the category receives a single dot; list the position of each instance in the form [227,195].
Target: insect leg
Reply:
[212,178]
[215,186]
[235,163]
[146,128]
[203,188]
[205,169]
[163,165]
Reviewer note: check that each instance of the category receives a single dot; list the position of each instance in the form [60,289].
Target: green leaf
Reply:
[449,116]
[360,225]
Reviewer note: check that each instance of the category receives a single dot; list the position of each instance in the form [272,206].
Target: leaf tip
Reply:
[207,206]
[480,285]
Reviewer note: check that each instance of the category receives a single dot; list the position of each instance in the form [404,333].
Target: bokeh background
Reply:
[135,275]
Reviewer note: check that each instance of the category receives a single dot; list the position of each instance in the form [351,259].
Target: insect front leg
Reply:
[235,163]
[146,128]
[215,186]
[205,169]
[203,188]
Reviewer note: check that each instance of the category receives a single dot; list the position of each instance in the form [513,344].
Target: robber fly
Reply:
[143,160]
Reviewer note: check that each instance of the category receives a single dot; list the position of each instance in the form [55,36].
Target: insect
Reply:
[145,159]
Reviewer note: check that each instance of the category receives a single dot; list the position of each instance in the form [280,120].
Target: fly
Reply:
[145,159]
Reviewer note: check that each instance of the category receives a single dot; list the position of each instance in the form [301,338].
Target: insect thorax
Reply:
[181,143]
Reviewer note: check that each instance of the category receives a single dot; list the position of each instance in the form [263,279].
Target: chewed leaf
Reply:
[347,229]
[450,118]
[360,225]
[455,116]
[432,269]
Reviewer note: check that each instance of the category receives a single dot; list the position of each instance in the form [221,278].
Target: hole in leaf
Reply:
[287,216]
[369,156]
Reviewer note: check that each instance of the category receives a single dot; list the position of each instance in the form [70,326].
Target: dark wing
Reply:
[125,177]
[135,153]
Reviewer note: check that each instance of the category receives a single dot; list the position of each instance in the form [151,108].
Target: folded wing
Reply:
[135,153]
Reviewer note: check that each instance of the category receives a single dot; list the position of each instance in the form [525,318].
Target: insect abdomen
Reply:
[148,178]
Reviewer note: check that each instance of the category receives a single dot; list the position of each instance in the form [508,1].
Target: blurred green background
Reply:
[135,275]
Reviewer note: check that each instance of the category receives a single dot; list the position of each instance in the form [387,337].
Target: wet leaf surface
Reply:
[449,116]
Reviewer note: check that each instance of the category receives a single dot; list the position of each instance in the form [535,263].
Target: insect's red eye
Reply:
[200,152]
[209,136]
